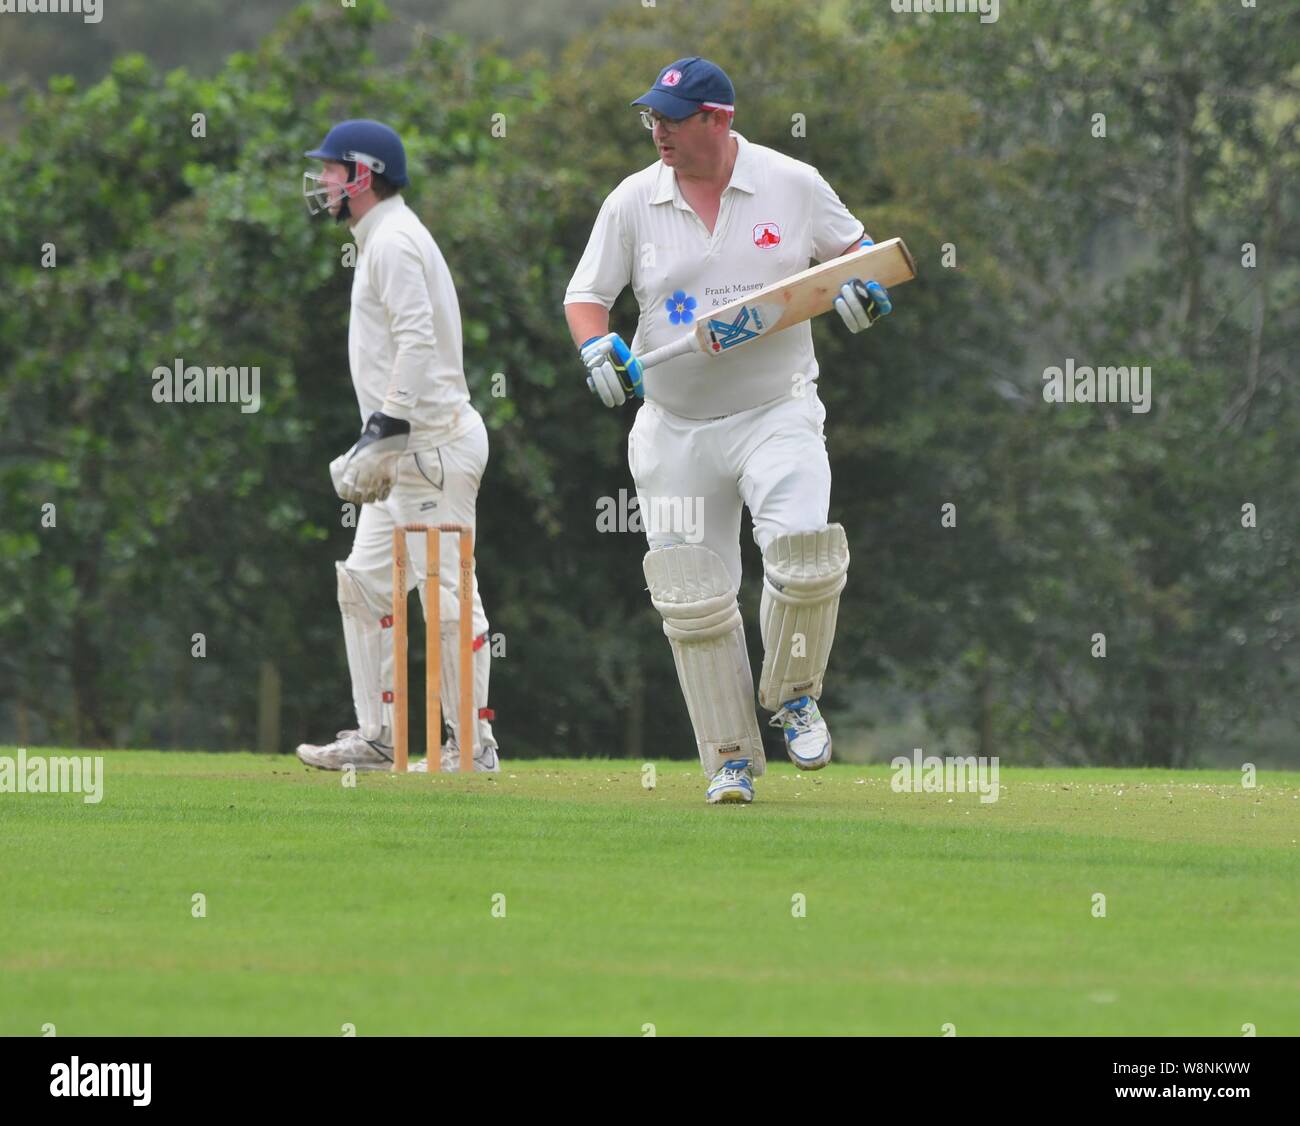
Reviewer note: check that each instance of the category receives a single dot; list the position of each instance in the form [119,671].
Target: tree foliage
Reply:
[180,519]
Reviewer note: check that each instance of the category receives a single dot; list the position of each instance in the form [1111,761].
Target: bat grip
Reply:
[679,347]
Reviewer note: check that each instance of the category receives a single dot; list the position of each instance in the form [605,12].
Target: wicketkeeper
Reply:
[714,217]
[423,447]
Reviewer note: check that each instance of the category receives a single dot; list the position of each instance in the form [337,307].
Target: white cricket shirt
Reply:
[777,216]
[404,340]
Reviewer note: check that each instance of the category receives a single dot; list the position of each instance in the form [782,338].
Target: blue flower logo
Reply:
[681,309]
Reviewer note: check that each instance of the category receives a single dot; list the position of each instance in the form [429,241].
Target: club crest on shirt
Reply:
[767,235]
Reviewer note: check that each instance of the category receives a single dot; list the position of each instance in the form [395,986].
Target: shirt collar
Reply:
[742,175]
[372,220]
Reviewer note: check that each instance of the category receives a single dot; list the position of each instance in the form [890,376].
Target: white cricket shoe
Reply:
[486,760]
[733,782]
[348,749]
[807,738]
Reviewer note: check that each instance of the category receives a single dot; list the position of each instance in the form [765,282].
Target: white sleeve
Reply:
[832,225]
[397,272]
[606,266]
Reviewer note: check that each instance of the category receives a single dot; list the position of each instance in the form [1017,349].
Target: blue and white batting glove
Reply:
[861,304]
[613,372]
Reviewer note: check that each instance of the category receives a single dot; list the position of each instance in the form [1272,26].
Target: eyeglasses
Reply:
[671,124]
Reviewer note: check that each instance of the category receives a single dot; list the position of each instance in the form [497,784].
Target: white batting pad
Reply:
[370,661]
[690,587]
[803,574]
[450,686]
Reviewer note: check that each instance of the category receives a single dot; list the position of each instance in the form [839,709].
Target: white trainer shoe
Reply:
[807,738]
[734,782]
[348,749]
[486,760]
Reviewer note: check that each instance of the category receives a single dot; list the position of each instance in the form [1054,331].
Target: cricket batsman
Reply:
[422,450]
[714,217]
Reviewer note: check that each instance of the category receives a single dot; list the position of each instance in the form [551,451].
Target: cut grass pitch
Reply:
[625,907]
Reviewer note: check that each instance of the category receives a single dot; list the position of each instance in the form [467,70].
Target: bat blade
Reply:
[790,301]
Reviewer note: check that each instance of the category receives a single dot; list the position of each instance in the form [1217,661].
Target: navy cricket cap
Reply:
[688,86]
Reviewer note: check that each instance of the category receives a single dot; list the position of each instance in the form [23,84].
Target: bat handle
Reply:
[679,347]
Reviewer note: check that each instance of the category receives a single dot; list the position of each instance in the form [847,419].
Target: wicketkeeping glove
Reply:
[366,473]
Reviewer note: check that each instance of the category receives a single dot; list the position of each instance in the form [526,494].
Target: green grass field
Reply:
[373,906]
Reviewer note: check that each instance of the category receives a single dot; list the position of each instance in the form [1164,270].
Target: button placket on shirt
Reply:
[724,219]
[694,219]
[715,239]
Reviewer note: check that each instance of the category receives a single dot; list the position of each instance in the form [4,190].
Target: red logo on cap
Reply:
[671,78]
[767,235]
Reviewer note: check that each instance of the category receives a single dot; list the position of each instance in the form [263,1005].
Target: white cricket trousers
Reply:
[693,476]
[438,486]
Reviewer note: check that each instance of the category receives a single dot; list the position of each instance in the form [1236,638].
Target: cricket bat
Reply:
[788,302]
